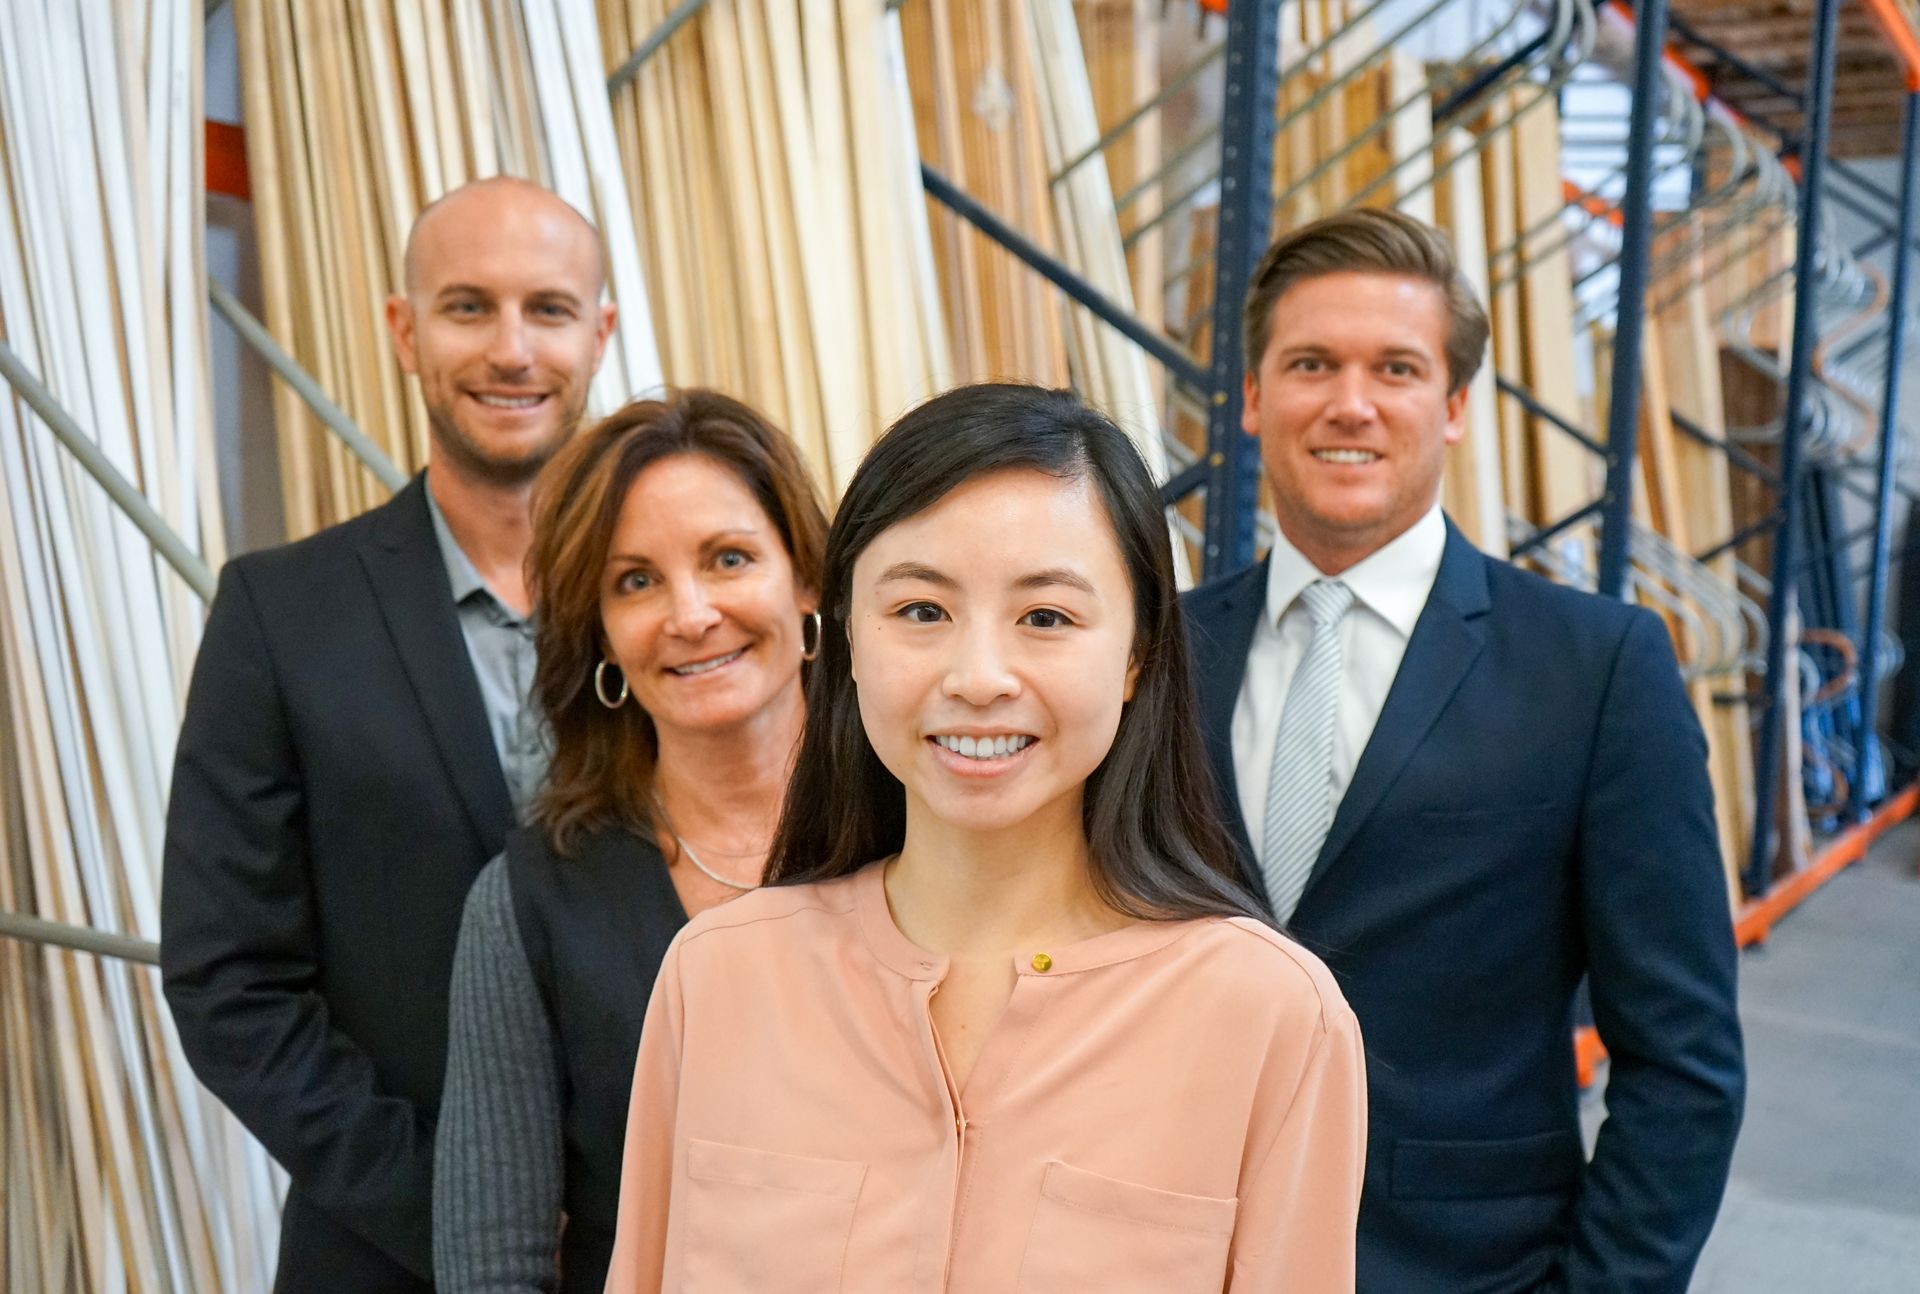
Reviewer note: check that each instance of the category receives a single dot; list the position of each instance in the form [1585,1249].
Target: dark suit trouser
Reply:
[320,1256]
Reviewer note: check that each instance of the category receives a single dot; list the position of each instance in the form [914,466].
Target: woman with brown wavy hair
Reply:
[675,568]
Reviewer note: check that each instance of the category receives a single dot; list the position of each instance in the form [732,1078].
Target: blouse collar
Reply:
[900,954]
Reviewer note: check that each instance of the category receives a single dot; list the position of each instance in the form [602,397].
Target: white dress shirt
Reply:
[1390,590]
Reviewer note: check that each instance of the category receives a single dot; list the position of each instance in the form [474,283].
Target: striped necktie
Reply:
[1300,780]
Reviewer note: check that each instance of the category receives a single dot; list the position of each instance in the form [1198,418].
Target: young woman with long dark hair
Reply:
[1003,1019]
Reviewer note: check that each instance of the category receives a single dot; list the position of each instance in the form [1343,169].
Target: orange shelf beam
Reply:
[227,161]
[1901,38]
[1591,203]
[1760,915]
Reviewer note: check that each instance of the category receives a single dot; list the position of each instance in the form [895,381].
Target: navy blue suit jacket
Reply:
[1533,807]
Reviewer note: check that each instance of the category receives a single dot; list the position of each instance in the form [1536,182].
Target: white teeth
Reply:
[701,667]
[1350,456]
[509,401]
[985,747]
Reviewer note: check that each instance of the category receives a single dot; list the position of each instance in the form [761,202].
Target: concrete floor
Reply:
[1825,1194]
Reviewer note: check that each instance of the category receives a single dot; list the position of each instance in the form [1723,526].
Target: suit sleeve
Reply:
[1661,973]
[639,1258]
[239,952]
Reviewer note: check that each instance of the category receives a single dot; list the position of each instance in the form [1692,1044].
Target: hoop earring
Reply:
[600,686]
[806,652]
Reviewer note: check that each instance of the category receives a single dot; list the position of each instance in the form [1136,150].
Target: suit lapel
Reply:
[1446,641]
[1223,619]
[403,563]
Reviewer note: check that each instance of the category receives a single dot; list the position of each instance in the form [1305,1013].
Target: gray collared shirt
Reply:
[500,644]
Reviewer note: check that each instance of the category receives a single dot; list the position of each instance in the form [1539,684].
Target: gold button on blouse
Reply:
[1042,962]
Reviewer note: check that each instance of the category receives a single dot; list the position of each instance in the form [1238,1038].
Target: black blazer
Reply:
[1533,807]
[335,792]
[595,928]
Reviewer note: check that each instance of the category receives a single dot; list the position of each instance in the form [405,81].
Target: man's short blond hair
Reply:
[1369,241]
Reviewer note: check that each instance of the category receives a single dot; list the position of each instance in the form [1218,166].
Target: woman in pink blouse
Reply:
[1002,1019]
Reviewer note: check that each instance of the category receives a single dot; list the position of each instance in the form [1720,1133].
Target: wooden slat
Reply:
[1565,476]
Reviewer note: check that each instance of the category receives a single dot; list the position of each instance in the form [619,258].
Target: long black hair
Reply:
[1151,813]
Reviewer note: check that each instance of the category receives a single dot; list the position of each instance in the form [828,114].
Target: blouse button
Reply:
[1042,962]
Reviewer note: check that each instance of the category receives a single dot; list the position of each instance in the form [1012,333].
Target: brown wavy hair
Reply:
[601,772]
[1372,241]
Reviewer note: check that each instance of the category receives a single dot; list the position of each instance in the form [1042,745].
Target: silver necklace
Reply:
[660,806]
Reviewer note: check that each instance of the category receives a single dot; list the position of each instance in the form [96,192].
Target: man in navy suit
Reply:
[1467,789]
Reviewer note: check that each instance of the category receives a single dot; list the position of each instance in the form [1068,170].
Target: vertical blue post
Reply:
[1246,208]
[1870,778]
[1813,168]
[1636,245]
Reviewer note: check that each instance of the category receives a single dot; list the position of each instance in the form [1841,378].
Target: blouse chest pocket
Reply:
[766,1222]
[1096,1233]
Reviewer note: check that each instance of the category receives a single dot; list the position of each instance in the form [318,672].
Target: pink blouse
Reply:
[1170,1107]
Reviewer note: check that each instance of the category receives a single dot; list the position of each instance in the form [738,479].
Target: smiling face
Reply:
[1351,406]
[698,600]
[992,648]
[503,325]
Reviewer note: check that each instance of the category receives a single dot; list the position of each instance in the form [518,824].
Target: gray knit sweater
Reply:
[499,1160]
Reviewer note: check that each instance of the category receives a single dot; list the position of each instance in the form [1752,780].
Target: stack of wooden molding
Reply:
[772,166]
[1012,102]
[1123,44]
[358,116]
[1688,486]
[1109,369]
[978,124]
[116,1171]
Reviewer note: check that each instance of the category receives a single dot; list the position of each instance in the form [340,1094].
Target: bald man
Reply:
[356,745]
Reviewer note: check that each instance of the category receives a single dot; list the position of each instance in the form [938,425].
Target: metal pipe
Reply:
[647,48]
[1246,181]
[1126,123]
[1636,244]
[1484,79]
[1167,166]
[165,540]
[1739,537]
[1526,400]
[1737,456]
[1813,166]
[1871,774]
[1540,537]
[1166,212]
[255,334]
[1183,482]
[57,934]
[1182,365]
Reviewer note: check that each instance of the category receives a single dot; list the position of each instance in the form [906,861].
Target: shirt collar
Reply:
[895,950]
[462,575]
[1393,581]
